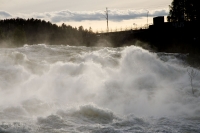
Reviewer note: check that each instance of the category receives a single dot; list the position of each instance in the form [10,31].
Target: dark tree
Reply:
[184,10]
[17,32]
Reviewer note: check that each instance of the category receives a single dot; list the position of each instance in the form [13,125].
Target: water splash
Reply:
[44,83]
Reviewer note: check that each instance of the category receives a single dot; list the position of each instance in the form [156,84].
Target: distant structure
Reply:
[158,20]
[160,24]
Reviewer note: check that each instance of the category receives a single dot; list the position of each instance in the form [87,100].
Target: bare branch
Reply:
[192,74]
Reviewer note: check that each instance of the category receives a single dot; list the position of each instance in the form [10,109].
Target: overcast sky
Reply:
[88,13]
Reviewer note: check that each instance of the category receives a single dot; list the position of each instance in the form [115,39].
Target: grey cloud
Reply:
[114,15]
[77,16]
[4,14]
[159,13]
[66,15]
[136,14]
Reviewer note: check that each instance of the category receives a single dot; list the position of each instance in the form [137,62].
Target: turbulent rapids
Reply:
[96,90]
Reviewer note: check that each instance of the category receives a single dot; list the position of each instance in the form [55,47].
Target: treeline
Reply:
[17,32]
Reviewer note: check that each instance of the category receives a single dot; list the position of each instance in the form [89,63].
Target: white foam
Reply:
[125,80]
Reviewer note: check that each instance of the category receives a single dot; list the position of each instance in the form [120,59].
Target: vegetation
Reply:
[184,10]
[192,74]
[17,32]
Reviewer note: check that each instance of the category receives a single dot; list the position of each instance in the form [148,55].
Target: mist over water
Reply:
[96,89]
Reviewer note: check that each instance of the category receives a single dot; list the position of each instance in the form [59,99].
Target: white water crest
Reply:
[56,88]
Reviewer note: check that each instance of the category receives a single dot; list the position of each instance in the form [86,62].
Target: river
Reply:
[69,89]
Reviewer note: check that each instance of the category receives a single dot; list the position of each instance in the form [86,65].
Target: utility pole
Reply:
[147,17]
[107,18]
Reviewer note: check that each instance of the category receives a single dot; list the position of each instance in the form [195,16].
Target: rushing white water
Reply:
[80,89]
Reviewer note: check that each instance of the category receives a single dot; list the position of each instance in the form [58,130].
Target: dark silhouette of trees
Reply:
[17,32]
[184,10]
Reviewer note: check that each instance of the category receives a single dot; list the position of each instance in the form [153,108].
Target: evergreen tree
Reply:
[17,32]
[184,10]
